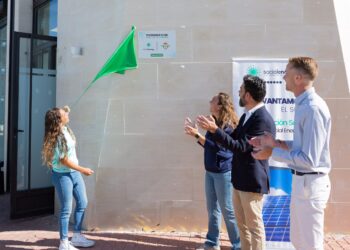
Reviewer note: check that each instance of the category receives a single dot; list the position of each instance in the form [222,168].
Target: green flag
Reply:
[123,58]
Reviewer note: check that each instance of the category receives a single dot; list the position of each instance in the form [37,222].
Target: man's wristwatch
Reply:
[197,136]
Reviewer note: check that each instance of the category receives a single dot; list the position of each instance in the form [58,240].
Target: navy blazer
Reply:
[248,174]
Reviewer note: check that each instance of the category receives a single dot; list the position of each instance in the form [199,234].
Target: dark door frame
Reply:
[3,176]
[32,201]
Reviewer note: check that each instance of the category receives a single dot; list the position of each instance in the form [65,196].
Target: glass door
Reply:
[32,93]
[3,48]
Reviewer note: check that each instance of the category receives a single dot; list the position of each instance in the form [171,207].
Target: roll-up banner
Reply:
[280,103]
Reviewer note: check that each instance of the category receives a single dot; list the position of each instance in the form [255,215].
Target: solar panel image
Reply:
[276,218]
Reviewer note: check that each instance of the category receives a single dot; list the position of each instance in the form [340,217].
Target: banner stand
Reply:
[280,104]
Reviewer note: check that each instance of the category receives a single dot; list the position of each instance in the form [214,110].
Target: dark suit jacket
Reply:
[248,174]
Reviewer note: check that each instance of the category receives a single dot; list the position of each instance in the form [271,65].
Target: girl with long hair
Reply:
[217,162]
[59,154]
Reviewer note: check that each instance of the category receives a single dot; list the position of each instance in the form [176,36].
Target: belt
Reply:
[301,173]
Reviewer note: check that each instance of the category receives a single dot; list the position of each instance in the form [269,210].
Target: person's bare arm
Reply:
[70,164]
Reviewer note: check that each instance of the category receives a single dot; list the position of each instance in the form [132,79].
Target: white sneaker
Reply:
[206,247]
[66,245]
[79,240]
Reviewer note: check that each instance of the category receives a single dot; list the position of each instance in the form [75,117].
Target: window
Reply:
[45,17]
[3,9]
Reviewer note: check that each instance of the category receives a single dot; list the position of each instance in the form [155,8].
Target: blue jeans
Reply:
[69,185]
[218,190]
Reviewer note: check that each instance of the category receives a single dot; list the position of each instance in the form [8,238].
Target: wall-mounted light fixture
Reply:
[76,51]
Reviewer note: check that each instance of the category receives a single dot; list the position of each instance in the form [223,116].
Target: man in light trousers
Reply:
[308,155]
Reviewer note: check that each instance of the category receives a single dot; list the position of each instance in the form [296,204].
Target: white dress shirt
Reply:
[248,113]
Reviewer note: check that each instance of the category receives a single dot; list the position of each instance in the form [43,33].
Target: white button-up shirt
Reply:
[248,113]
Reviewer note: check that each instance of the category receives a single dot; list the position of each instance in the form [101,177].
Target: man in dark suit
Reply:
[250,177]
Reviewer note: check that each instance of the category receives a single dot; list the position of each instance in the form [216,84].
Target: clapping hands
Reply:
[207,123]
[190,127]
[263,146]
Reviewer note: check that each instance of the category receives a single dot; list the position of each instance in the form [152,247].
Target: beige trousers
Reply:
[248,210]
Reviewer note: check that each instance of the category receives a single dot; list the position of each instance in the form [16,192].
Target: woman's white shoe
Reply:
[66,245]
[79,240]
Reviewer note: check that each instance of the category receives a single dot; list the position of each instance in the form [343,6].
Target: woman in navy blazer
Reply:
[218,164]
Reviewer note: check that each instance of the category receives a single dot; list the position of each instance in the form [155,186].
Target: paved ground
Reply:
[41,233]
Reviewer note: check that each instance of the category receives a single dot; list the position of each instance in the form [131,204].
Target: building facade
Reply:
[148,173]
